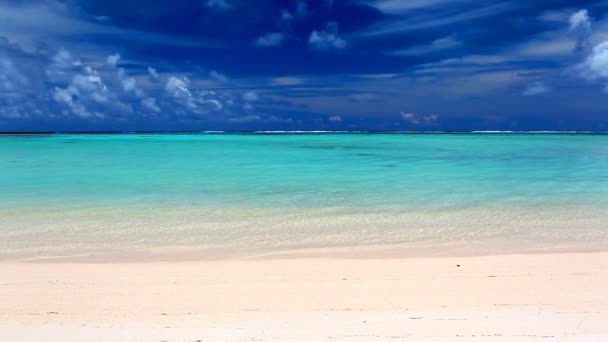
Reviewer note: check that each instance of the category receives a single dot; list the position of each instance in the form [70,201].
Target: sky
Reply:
[374,65]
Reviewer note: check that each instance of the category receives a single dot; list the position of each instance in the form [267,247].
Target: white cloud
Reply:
[595,65]
[178,89]
[199,102]
[218,4]
[88,90]
[149,103]
[328,39]
[62,67]
[580,26]
[152,73]
[335,118]
[270,39]
[535,88]
[426,20]
[128,84]
[251,96]
[11,80]
[217,76]
[113,60]
[580,21]
[416,119]
[400,6]
[67,98]
[436,45]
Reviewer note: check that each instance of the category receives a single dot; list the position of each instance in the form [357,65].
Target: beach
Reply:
[305,237]
[552,297]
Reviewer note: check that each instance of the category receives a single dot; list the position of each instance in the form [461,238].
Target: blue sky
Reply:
[303,65]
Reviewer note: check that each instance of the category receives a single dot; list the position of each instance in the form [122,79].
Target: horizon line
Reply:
[304,132]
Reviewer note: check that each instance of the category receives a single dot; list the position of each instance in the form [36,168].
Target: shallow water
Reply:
[252,193]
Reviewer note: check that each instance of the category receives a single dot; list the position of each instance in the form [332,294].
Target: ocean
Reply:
[247,195]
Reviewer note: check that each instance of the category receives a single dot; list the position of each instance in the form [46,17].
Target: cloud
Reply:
[129,84]
[286,81]
[535,88]
[197,102]
[11,80]
[335,118]
[251,96]
[580,21]
[416,119]
[328,39]
[177,87]
[437,16]
[67,98]
[152,73]
[401,6]
[595,65]
[13,85]
[220,5]
[580,26]
[63,66]
[113,60]
[270,39]
[149,103]
[436,45]
[245,119]
[217,76]
[86,95]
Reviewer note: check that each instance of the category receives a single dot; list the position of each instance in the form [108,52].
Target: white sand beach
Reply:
[545,297]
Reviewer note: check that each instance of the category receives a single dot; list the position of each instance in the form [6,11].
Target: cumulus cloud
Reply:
[580,27]
[416,119]
[129,84]
[595,65]
[113,60]
[84,90]
[216,76]
[178,89]
[11,79]
[149,103]
[270,39]
[580,21]
[64,84]
[328,39]
[13,85]
[535,88]
[67,98]
[335,118]
[198,102]
[63,65]
[152,73]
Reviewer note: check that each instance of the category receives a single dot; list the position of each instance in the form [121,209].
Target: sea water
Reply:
[253,194]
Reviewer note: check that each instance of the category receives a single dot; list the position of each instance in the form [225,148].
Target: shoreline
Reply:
[526,297]
[416,250]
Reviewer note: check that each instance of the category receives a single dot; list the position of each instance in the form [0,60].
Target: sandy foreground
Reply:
[545,297]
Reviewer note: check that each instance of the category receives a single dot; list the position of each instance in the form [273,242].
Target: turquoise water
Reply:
[253,193]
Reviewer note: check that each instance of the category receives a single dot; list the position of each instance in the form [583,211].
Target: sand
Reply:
[546,297]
